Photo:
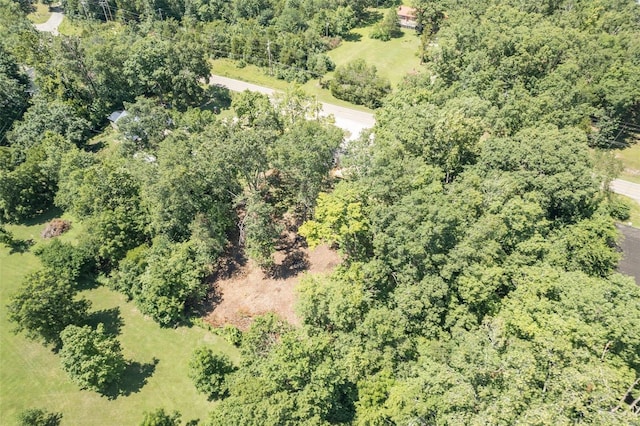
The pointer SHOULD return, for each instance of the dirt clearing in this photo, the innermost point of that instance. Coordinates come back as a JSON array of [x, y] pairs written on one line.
[[249, 293]]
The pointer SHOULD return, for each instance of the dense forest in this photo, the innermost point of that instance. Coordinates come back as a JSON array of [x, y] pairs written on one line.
[[478, 283]]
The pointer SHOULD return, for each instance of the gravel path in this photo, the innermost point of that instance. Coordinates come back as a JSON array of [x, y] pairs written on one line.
[[51, 26]]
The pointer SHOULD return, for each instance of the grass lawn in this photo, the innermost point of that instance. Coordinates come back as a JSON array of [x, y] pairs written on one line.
[[40, 15], [31, 377], [69, 28], [631, 160], [394, 59]]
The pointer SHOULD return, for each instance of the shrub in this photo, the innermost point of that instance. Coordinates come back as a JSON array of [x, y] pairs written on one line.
[[359, 83]]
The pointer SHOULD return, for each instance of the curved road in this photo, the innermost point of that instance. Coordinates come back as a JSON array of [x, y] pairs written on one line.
[[51, 26], [347, 119]]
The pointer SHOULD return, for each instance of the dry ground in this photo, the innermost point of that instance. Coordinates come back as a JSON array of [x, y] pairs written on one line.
[[249, 293]]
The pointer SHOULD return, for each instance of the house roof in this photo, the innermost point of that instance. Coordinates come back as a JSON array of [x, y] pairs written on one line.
[[117, 115], [407, 11]]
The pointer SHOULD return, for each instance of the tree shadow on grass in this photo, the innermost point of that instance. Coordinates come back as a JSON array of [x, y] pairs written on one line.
[[352, 37], [43, 218], [133, 379], [370, 17], [87, 281], [20, 246], [110, 318]]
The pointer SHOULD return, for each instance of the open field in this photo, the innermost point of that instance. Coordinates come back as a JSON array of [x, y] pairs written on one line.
[[41, 13], [394, 59], [631, 160], [31, 377]]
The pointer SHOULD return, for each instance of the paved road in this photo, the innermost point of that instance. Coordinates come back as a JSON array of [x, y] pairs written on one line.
[[51, 26], [347, 119], [623, 187]]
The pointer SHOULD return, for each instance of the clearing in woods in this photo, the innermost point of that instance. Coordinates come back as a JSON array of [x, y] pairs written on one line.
[[248, 292]]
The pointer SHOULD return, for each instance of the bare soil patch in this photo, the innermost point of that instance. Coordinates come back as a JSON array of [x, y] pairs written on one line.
[[248, 292]]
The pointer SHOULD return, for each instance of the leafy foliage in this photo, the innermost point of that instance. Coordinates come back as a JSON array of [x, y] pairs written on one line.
[[208, 372], [92, 358], [388, 28], [45, 306], [164, 281], [359, 83], [13, 95], [161, 418]]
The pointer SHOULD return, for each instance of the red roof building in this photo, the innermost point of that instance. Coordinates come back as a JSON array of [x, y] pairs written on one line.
[[407, 16]]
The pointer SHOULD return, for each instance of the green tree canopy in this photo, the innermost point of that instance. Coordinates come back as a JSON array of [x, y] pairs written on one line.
[[44, 306], [92, 358]]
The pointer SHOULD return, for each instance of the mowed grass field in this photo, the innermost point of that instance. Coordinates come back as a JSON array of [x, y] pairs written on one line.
[[630, 157], [394, 59], [31, 377]]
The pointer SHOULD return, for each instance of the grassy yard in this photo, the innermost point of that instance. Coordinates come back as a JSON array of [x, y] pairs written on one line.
[[31, 377], [40, 15], [394, 59], [631, 160]]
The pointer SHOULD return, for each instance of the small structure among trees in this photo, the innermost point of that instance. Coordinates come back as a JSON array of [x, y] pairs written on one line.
[[407, 16]]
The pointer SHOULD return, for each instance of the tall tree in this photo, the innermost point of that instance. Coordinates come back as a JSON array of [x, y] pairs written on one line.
[[31, 308], [92, 358]]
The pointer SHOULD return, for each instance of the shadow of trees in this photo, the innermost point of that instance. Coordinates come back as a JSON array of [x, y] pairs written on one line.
[[295, 261], [110, 318], [133, 379], [20, 246]]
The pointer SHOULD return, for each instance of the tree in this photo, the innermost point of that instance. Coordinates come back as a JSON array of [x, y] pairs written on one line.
[[553, 162], [160, 418], [38, 417], [92, 358], [259, 230], [44, 115], [359, 83], [168, 69], [256, 110], [340, 219], [145, 124], [6, 237], [171, 284], [65, 260], [27, 189], [13, 91], [45, 306], [389, 27], [304, 156], [209, 371]]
